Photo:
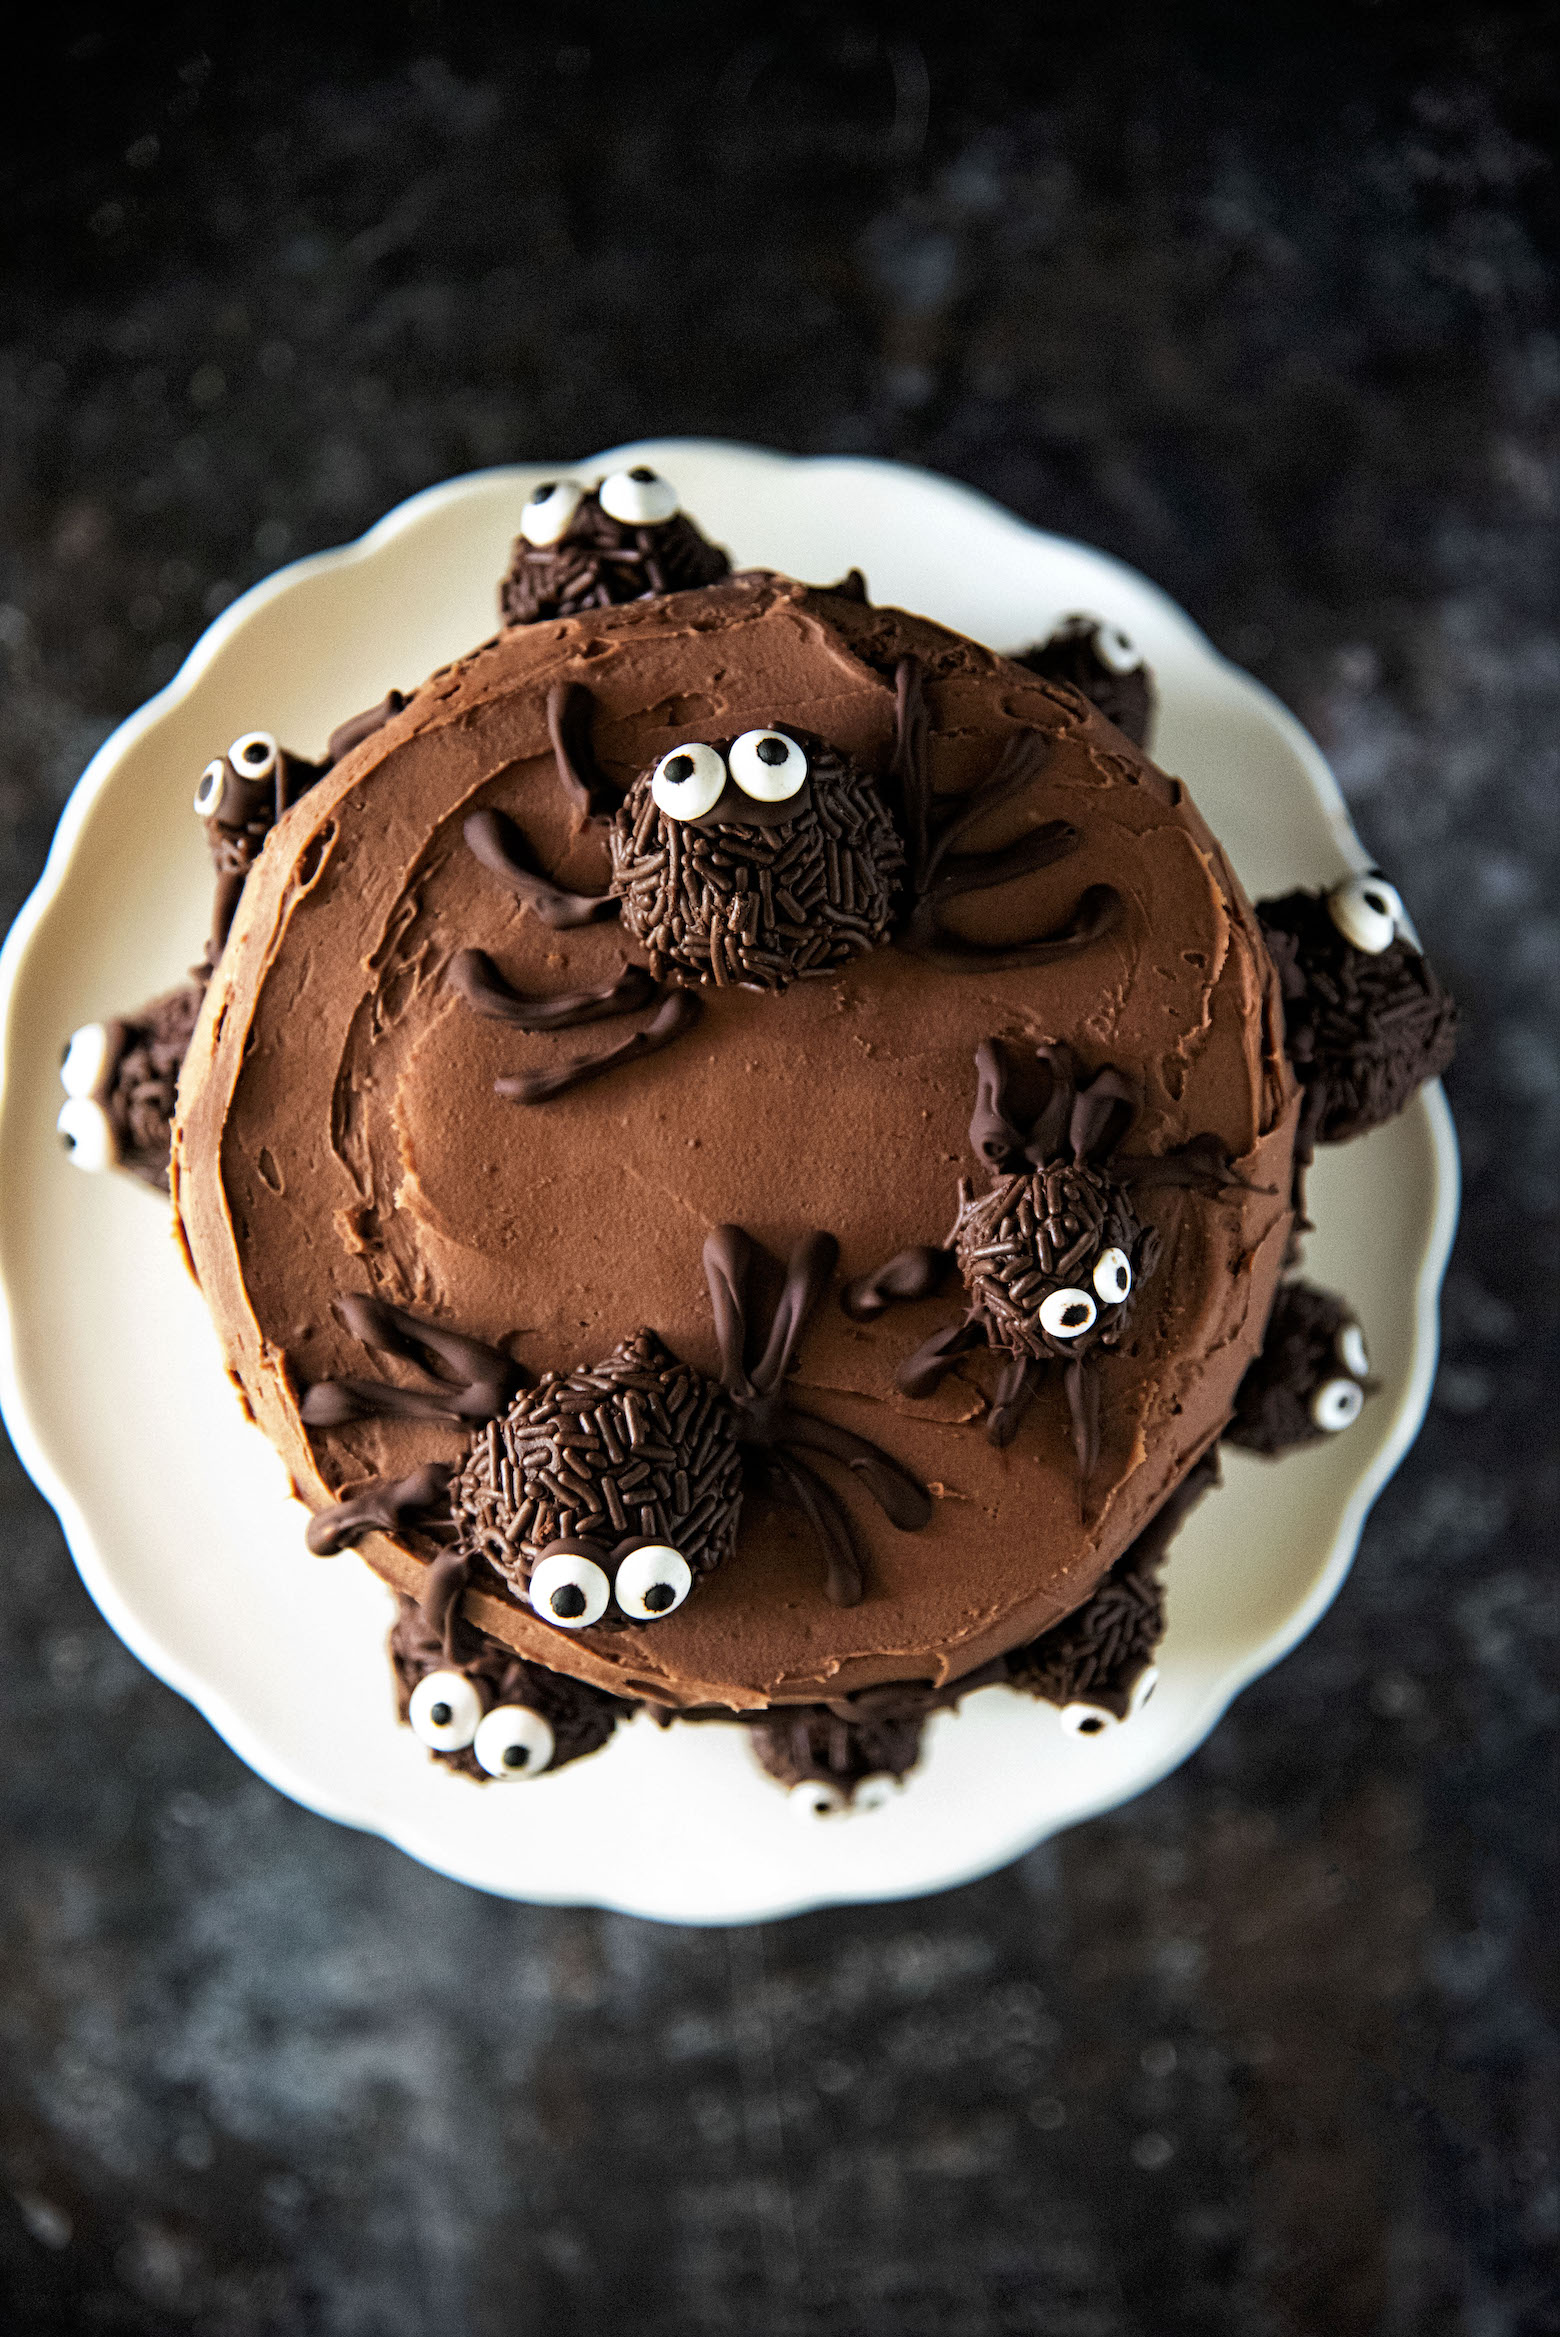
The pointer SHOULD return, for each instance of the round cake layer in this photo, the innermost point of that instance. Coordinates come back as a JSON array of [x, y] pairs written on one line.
[[340, 1133]]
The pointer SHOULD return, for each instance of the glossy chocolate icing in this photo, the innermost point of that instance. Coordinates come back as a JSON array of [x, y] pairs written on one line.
[[339, 1127]]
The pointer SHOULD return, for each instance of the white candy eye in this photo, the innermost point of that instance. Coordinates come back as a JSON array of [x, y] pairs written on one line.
[[88, 1134], [1116, 650], [688, 782], [552, 506], [253, 756], [637, 498], [513, 1742], [1113, 1277], [812, 1798], [875, 1793], [1067, 1314], [86, 1060], [209, 793], [767, 765], [1367, 912], [570, 1591], [1350, 1344], [1142, 1688], [1087, 1720], [443, 1712], [1337, 1404], [652, 1581]]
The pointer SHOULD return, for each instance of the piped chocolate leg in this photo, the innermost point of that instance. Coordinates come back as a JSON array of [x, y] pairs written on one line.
[[1016, 1385], [1082, 1382], [806, 1491], [386, 1505], [906, 1276], [1202, 1166], [481, 1379], [678, 1012], [923, 1373], [569, 706], [501, 848], [474, 976], [903, 1499]]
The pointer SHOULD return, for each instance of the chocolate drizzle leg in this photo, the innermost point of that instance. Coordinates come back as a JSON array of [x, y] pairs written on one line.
[[474, 977], [569, 706], [678, 1012], [910, 1274], [475, 1382], [772, 1430], [495, 840], [939, 875], [386, 1505]]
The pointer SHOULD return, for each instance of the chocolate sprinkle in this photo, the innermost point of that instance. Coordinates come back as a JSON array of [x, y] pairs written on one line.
[[1363, 1032], [642, 1444]]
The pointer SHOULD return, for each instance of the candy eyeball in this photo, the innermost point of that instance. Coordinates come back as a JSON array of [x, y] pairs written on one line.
[[1113, 1277], [1116, 650], [651, 1581], [208, 795], [1067, 1314], [815, 1798], [1337, 1404], [88, 1135], [513, 1742], [87, 1060], [1087, 1720], [253, 757], [1350, 1345], [443, 1712], [551, 507], [688, 782], [637, 498], [569, 1590], [1142, 1688], [875, 1792], [768, 766], [1367, 912]]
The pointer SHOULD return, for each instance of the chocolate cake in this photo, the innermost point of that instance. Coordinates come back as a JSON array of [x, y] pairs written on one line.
[[849, 1319]]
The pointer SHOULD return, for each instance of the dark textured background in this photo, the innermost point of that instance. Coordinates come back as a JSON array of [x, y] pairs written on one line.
[[1263, 301]]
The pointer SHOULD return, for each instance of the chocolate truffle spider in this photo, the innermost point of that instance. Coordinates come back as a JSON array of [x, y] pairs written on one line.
[[483, 1710], [587, 547], [621, 1484], [1366, 1022], [1052, 1255], [762, 860]]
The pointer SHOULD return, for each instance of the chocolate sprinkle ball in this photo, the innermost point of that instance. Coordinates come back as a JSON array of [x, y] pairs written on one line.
[[1071, 654], [1275, 1402], [1362, 1031], [1100, 1652], [812, 1745], [641, 1445], [599, 561], [1033, 1235], [760, 906], [581, 1718], [140, 1096]]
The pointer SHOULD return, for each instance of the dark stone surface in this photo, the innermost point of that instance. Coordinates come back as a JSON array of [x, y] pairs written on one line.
[[1262, 301]]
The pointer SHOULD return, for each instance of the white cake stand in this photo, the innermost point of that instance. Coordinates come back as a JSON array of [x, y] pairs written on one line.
[[178, 1513]]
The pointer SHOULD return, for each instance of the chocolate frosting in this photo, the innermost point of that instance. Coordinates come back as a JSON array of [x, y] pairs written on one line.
[[1071, 655], [374, 1154]]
